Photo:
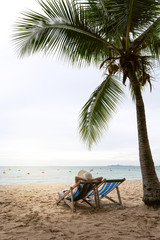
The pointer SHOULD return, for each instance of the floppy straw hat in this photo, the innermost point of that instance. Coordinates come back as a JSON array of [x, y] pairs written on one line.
[[84, 174], [81, 172], [87, 175]]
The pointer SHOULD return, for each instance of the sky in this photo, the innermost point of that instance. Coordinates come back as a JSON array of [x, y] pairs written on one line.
[[40, 102]]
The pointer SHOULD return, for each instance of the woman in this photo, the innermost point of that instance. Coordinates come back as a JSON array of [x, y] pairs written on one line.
[[84, 176]]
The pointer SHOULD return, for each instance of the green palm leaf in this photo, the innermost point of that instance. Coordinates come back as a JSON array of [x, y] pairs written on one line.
[[124, 16], [98, 110], [64, 29], [149, 40], [120, 12]]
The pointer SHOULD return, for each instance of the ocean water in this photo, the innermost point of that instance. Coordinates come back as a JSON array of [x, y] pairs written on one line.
[[53, 174]]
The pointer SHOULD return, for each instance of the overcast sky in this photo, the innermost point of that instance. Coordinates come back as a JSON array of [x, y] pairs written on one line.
[[40, 102]]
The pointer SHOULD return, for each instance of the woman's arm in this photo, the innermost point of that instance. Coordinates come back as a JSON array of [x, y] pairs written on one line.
[[97, 179], [84, 179], [79, 178]]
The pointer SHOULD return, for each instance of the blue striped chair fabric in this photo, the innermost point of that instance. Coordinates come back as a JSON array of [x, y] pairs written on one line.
[[106, 188], [82, 191], [78, 192]]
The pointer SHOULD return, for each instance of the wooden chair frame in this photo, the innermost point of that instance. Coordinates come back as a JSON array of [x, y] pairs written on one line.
[[101, 195]]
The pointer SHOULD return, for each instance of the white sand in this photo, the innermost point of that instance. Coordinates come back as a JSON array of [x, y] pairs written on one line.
[[30, 212]]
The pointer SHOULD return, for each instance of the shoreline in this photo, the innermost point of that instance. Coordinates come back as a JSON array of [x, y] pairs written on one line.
[[29, 211]]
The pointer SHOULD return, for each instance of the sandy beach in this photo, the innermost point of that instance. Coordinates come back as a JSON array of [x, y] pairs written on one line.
[[30, 212]]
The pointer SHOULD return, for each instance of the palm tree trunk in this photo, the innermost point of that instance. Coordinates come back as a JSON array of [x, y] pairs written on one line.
[[151, 185]]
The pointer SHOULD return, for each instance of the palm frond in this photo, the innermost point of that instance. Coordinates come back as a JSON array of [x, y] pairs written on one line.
[[64, 29], [98, 110], [120, 13], [143, 15], [149, 40]]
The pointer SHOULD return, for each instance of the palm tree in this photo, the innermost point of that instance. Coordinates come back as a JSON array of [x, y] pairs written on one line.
[[122, 36]]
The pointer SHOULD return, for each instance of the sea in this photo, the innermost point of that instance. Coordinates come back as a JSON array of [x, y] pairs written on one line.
[[55, 174]]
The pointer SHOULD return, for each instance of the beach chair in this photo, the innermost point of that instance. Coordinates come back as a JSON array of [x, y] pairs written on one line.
[[106, 187], [78, 193]]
